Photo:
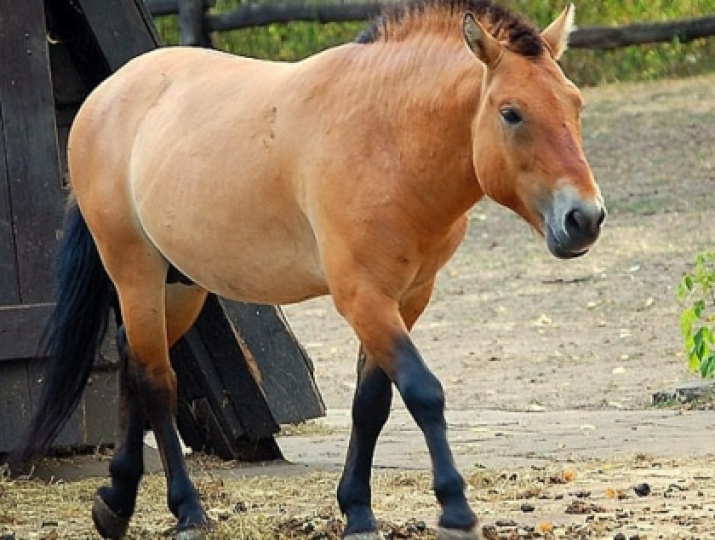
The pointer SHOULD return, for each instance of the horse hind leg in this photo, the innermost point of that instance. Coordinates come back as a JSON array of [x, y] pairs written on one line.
[[183, 305], [139, 275], [114, 504]]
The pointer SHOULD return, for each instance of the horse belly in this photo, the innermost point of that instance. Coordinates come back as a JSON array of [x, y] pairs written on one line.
[[264, 277], [251, 259]]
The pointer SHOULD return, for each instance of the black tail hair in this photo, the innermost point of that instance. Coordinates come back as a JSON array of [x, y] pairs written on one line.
[[75, 330]]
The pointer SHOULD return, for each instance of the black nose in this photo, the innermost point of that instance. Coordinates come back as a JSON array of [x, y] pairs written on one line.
[[584, 222]]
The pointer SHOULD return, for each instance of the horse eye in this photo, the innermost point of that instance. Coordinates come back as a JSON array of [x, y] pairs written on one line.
[[511, 116]]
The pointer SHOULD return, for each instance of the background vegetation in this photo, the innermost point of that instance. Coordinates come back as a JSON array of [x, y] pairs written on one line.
[[697, 320], [297, 40]]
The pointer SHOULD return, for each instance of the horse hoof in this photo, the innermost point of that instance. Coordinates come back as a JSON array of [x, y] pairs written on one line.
[[107, 523], [371, 535], [458, 534], [194, 532]]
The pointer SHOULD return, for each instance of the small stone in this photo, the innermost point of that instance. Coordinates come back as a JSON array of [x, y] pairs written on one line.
[[620, 536], [695, 391], [526, 507], [642, 490]]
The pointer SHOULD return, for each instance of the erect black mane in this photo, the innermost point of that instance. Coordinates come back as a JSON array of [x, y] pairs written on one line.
[[521, 35]]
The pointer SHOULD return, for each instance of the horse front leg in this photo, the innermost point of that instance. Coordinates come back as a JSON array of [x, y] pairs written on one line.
[[382, 326], [423, 395], [370, 410]]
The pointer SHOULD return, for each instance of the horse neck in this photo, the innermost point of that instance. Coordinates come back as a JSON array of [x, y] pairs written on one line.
[[426, 93]]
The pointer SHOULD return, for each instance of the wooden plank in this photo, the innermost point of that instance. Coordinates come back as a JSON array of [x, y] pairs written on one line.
[[30, 145], [198, 381], [193, 29], [203, 429], [70, 88], [254, 14], [21, 376], [15, 404], [91, 425], [9, 284], [158, 8], [21, 328], [68, 85], [99, 409], [286, 372], [606, 37], [71, 434], [209, 417], [218, 336], [68, 28], [122, 29]]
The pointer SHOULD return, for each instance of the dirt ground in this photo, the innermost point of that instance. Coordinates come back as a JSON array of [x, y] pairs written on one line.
[[549, 369]]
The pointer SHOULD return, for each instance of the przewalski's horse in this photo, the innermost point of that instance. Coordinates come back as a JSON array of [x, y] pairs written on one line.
[[350, 173]]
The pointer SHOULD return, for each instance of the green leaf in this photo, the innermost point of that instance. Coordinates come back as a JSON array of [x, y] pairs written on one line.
[[707, 367], [694, 363], [687, 318], [698, 308]]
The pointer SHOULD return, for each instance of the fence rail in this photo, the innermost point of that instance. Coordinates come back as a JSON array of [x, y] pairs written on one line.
[[196, 22], [608, 37]]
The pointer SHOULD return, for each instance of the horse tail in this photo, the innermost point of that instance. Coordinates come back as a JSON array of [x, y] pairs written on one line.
[[74, 332]]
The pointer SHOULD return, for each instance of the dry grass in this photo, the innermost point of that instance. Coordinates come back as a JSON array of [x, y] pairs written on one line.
[[576, 500]]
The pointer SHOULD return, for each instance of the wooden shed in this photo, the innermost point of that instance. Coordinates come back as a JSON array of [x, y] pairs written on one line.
[[241, 372]]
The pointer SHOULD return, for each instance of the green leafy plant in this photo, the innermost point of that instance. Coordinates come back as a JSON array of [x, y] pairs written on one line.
[[697, 321]]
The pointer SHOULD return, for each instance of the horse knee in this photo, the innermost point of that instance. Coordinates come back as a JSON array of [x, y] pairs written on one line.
[[420, 389], [424, 398]]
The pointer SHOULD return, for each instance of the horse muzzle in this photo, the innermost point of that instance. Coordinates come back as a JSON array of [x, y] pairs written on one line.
[[573, 225]]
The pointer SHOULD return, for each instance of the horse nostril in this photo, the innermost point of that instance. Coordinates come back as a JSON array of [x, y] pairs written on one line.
[[580, 223], [574, 222]]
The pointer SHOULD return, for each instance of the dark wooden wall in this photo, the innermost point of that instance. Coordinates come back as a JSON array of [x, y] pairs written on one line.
[[241, 372]]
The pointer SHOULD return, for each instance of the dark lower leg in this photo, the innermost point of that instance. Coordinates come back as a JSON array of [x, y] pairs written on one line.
[[371, 408], [424, 398], [127, 465], [182, 498]]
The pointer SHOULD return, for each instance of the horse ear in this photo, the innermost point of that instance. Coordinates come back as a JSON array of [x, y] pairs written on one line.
[[556, 35], [480, 42]]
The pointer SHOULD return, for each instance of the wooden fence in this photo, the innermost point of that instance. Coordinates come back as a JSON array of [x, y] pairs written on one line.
[[196, 23]]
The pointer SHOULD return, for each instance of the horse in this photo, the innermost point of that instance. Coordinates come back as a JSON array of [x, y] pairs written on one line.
[[350, 174]]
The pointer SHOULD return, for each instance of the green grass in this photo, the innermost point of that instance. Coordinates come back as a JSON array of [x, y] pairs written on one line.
[[587, 68]]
